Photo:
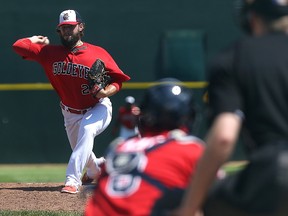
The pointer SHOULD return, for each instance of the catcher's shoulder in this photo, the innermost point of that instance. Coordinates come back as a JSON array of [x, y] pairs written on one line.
[[183, 138]]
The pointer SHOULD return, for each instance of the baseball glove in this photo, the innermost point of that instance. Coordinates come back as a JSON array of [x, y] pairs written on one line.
[[97, 77]]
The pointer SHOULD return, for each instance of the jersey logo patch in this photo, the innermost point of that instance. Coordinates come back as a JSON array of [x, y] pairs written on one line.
[[122, 167]]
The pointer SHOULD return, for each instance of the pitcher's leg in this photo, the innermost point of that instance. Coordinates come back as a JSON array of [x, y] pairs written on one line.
[[93, 166], [94, 122], [72, 123], [93, 169]]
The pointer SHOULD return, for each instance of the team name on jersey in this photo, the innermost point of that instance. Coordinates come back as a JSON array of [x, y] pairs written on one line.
[[70, 68], [136, 144]]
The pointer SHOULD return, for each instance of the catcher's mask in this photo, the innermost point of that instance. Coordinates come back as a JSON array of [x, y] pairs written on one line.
[[267, 9], [166, 106]]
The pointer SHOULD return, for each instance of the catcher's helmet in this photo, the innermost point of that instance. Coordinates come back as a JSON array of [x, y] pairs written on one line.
[[167, 105], [268, 9]]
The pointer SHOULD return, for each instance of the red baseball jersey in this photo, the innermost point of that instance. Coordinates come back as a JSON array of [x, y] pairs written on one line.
[[128, 117], [136, 167], [67, 69]]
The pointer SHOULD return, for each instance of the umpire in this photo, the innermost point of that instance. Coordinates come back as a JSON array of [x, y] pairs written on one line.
[[248, 93]]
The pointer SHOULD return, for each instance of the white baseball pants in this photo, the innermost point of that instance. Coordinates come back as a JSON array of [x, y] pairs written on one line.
[[81, 130]]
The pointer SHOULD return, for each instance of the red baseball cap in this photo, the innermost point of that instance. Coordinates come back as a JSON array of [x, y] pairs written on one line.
[[69, 17]]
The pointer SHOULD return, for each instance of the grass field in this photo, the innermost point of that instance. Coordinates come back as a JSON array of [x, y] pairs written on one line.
[[32, 173]]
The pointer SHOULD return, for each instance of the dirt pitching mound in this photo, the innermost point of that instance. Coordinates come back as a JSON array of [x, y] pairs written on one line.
[[41, 196]]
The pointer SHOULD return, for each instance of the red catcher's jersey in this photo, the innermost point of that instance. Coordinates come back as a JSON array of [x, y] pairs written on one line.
[[127, 116], [122, 193], [67, 69]]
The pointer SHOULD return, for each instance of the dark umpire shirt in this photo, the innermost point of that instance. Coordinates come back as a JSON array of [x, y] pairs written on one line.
[[251, 77]]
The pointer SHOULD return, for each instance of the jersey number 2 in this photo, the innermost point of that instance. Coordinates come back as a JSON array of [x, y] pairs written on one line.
[[85, 89]]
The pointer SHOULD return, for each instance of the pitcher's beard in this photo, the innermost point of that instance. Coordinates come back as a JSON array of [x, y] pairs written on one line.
[[70, 42]]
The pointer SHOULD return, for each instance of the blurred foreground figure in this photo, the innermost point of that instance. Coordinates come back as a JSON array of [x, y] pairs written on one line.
[[147, 175], [248, 89], [126, 122]]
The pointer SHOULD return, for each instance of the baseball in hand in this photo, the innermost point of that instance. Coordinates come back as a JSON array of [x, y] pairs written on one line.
[[46, 41], [39, 39]]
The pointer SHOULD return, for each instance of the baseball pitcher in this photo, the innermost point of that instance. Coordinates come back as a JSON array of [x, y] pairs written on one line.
[[84, 77]]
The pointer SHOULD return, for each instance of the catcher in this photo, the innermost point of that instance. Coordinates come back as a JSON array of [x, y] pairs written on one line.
[[147, 175], [84, 84]]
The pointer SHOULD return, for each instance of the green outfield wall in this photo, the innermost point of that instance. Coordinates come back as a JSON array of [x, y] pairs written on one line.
[[148, 39]]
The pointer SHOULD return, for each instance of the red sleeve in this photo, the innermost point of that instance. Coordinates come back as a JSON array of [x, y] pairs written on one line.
[[25, 48], [118, 85], [119, 76], [115, 72]]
